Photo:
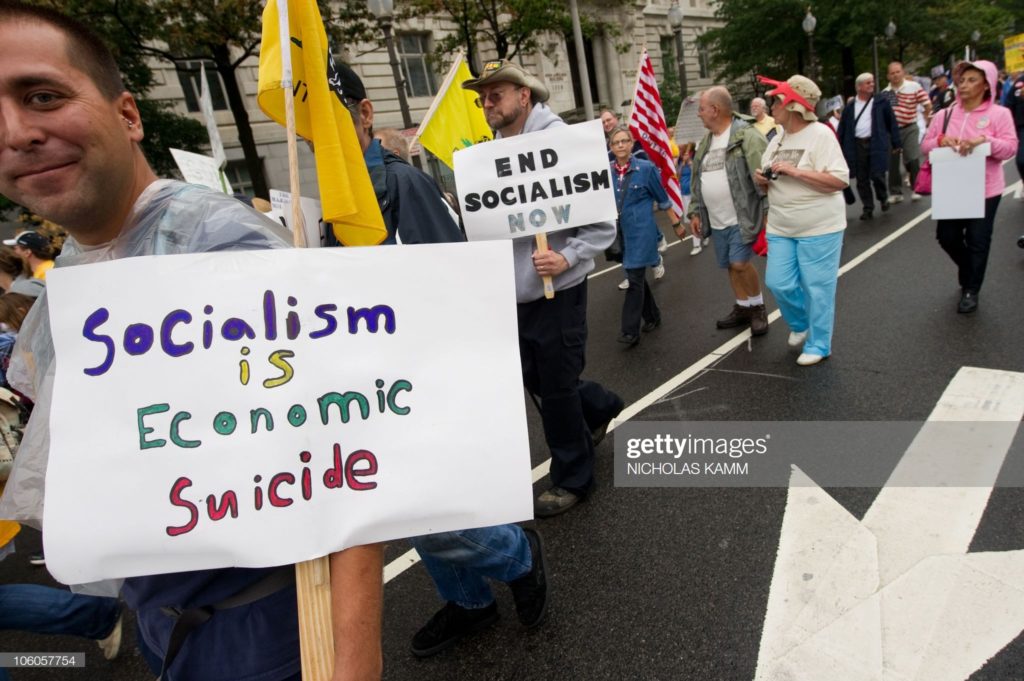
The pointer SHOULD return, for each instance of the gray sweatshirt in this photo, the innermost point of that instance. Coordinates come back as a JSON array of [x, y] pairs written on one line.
[[578, 245]]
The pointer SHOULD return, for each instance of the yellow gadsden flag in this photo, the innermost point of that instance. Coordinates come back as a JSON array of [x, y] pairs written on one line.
[[454, 121], [346, 194]]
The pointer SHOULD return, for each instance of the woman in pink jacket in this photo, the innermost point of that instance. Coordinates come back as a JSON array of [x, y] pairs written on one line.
[[975, 118]]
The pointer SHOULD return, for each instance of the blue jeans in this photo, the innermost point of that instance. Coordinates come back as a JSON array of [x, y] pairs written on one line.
[[460, 562], [802, 274], [45, 610]]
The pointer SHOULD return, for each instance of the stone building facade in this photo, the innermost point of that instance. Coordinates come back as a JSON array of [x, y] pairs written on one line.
[[612, 61]]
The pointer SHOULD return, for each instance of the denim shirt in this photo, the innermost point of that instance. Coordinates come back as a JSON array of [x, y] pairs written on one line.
[[636, 215]]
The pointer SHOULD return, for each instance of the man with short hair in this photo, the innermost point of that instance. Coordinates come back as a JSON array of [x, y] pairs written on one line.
[[869, 135], [70, 151], [905, 95], [552, 332], [764, 123], [728, 205], [459, 562]]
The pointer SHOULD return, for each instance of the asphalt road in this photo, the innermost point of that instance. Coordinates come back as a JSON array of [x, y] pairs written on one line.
[[673, 583]]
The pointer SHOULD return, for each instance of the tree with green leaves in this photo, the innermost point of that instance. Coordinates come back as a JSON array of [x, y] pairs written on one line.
[[765, 36], [226, 33], [513, 27]]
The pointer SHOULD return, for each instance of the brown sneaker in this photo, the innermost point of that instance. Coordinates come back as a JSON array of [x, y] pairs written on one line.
[[740, 316], [758, 320]]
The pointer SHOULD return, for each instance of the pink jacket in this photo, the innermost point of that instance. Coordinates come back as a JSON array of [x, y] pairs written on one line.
[[991, 120]]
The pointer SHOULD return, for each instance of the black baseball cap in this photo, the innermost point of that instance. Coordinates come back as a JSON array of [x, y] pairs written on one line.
[[344, 81], [30, 240]]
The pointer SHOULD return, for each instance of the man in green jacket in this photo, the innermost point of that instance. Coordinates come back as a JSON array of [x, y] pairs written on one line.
[[727, 203]]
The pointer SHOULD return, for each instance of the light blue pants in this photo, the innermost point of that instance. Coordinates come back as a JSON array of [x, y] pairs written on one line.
[[802, 274], [461, 562]]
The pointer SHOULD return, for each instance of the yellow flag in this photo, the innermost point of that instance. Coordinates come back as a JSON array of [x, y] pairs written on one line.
[[346, 194], [454, 121]]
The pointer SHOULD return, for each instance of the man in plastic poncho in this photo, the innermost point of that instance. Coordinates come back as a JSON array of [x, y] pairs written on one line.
[[69, 151]]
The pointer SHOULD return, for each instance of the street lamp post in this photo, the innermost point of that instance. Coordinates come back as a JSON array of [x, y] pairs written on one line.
[[808, 24], [890, 31], [975, 37], [675, 20], [384, 10]]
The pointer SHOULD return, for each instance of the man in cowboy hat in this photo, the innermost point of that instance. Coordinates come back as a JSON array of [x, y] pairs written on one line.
[[552, 333]]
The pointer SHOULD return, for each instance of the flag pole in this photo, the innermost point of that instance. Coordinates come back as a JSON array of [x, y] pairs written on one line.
[[312, 577], [636, 85], [298, 233], [441, 92]]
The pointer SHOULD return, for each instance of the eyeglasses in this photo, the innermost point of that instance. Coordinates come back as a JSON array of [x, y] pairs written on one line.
[[493, 97], [615, 143]]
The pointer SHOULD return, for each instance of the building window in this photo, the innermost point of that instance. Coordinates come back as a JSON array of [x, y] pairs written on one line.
[[188, 76], [704, 60], [237, 173], [413, 51]]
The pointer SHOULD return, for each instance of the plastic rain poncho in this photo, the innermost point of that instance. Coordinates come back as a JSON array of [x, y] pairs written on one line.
[[168, 217]]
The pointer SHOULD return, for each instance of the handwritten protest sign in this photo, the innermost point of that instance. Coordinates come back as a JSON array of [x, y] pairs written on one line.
[[535, 183], [689, 127], [264, 408], [1013, 51], [201, 170], [312, 215]]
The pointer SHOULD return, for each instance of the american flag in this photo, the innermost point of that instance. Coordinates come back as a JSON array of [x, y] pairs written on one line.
[[647, 123]]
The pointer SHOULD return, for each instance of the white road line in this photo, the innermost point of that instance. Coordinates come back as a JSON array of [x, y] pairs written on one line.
[[896, 597], [406, 561]]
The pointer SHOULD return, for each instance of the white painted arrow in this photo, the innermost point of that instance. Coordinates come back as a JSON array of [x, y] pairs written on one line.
[[896, 597]]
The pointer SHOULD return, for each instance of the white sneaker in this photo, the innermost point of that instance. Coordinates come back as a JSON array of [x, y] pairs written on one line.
[[624, 285], [662, 245], [696, 249], [705, 241], [806, 359], [796, 338], [659, 271], [895, 198], [111, 645], [915, 197]]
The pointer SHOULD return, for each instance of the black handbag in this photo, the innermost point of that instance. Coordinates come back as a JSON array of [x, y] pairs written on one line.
[[614, 252]]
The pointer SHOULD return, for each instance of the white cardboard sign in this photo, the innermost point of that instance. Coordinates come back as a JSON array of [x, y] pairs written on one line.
[[201, 170], [313, 224], [958, 183], [534, 183], [264, 408]]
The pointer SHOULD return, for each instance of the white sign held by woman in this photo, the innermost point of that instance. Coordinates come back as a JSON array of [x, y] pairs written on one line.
[[535, 183], [958, 183]]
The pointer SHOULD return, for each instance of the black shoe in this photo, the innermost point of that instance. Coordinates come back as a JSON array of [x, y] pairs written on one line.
[[968, 302], [885, 205], [740, 316], [628, 339], [448, 625], [868, 215], [530, 591], [598, 433], [758, 320], [37, 559], [555, 501], [650, 326]]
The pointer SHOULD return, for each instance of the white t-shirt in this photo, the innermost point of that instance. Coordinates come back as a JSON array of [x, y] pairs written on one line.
[[863, 129], [714, 184], [794, 208]]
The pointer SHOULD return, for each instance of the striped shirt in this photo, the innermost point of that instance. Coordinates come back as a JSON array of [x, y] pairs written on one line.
[[905, 101]]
